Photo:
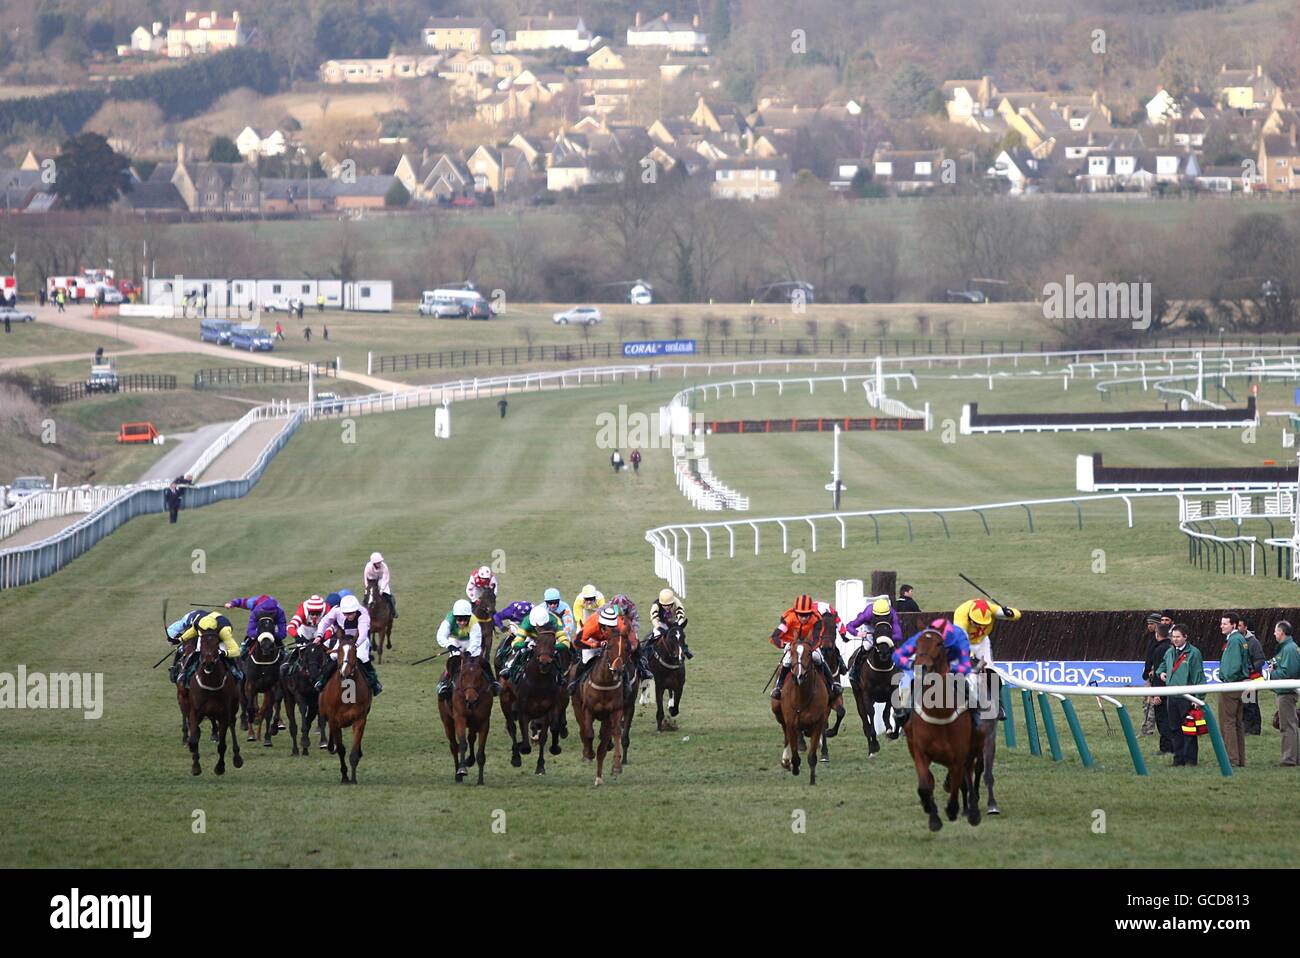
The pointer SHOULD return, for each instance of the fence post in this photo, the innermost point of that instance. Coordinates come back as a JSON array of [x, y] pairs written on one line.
[[1077, 731], [370, 363], [1126, 723], [1031, 723], [1216, 738], [1049, 726], [1009, 726]]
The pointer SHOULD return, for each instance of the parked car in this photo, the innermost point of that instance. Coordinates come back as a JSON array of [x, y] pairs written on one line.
[[15, 315], [462, 202], [112, 296], [329, 402], [288, 304], [578, 315], [480, 309], [964, 296], [24, 486], [103, 379], [216, 331], [252, 338]]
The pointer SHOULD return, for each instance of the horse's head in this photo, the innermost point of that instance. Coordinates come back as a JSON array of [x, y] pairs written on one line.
[[470, 680], [313, 656], [616, 651], [209, 648], [265, 623], [266, 648], [373, 595], [801, 661], [670, 643], [485, 606], [347, 655], [930, 653], [544, 649]]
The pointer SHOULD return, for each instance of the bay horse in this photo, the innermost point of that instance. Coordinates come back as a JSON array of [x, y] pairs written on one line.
[[668, 666], [802, 709], [345, 703], [298, 687], [835, 662], [485, 607], [945, 733], [601, 695], [467, 716], [381, 619], [262, 678], [871, 675], [535, 701], [213, 694]]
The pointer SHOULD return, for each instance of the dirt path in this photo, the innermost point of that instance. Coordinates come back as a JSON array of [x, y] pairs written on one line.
[[234, 462], [178, 460]]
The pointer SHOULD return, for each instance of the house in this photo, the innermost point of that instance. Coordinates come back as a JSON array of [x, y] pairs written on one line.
[[967, 101], [606, 58], [672, 68], [551, 33], [720, 117], [151, 197], [1163, 108], [379, 69], [18, 186], [747, 178], [295, 195], [471, 34], [360, 193], [1243, 89], [503, 106], [568, 173], [438, 178], [907, 171], [145, 40], [1020, 168], [843, 171], [205, 32], [1140, 170], [1279, 162], [1223, 179], [252, 143], [665, 33], [503, 171]]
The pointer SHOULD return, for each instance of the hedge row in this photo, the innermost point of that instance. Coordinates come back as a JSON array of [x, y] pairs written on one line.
[[978, 418]]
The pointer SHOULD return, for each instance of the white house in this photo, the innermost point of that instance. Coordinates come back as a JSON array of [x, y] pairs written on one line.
[[552, 33], [205, 32], [1162, 108], [379, 69], [150, 39], [251, 143], [665, 33]]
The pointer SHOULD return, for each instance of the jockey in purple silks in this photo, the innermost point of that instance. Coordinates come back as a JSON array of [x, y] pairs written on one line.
[[261, 606]]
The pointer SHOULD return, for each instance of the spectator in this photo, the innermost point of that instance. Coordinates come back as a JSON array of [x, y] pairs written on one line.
[[306, 333], [502, 404], [58, 299], [1250, 716], [300, 312], [1155, 656], [252, 308], [636, 460], [99, 355], [320, 304], [1182, 665], [906, 603], [1286, 665], [172, 500], [279, 331], [40, 294], [616, 461], [325, 332], [1149, 703], [1234, 666], [6, 322]]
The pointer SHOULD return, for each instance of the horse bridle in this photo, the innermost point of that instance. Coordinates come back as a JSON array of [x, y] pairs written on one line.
[[616, 670], [916, 699]]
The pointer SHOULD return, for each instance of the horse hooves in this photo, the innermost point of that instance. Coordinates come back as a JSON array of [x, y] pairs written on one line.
[[873, 748], [219, 770], [515, 761], [554, 750], [974, 816], [525, 749], [891, 734], [952, 814], [994, 810], [935, 824], [238, 760], [599, 782], [832, 732], [540, 771], [826, 759], [324, 745]]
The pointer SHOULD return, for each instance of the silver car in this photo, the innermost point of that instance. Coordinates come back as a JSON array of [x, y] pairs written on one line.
[[579, 316], [15, 315]]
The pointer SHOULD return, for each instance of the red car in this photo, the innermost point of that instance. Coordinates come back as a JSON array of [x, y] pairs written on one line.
[[464, 201]]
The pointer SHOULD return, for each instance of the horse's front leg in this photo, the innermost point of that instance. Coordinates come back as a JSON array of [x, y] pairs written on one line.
[[358, 730], [659, 706], [925, 788], [291, 712], [194, 741]]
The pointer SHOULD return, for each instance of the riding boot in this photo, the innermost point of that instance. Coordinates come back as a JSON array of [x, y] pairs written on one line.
[[832, 682], [372, 677], [643, 663], [234, 668], [444, 687], [578, 673], [776, 691], [492, 679], [326, 671], [392, 605], [174, 673], [686, 649]]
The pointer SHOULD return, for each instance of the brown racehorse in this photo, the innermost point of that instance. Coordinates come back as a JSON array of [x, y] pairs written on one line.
[[803, 708], [467, 716], [262, 678], [299, 690], [345, 703], [381, 619], [485, 607], [535, 699], [668, 666], [871, 675], [835, 662], [183, 692], [213, 694], [943, 732], [601, 695]]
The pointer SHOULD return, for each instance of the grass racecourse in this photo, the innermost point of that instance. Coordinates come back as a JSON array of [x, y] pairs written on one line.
[[117, 791]]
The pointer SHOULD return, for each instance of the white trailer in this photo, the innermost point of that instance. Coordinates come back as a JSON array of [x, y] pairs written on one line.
[[368, 296]]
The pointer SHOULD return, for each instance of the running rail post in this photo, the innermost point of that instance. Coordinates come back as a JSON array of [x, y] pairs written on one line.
[[1031, 723], [1049, 726], [1009, 726], [1126, 723], [1216, 738], [1072, 717]]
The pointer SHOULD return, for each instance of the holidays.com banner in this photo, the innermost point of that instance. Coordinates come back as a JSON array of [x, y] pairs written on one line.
[[1088, 673]]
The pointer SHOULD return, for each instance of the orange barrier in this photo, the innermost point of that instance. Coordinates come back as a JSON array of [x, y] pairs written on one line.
[[137, 432]]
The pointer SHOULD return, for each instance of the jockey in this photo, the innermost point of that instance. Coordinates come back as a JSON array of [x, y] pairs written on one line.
[[627, 608], [665, 611], [480, 579], [460, 633], [377, 571], [957, 649], [512, 615], [348, 618], [538, 618], [260, 606], [213, 622], [801, 623], [307, 618], [174, 633], [878, 610], [977, 617], [551, 598], [596, 631], [588, 603]]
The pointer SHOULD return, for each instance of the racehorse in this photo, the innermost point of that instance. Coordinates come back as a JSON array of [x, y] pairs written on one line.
[[601, 695], [485, 607], [943, 733], [536, 700], [802, 709], [262, 677], [468, 715], [298, 678], [381, 619], [213, 694], [835, 662], [989, 725], [668, 666], [871, 674], [345, 703]]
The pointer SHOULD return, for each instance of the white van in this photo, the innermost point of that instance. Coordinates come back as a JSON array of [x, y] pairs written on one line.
[[451, 303]]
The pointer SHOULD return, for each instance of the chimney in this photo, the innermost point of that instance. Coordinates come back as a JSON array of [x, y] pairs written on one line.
[[636, 19], [180, 154], [157, 28], [695, 21]]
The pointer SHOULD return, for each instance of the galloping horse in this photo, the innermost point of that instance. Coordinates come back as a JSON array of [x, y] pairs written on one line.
[[535, 700], [601, 695], [468, 715], [298, 687], [183, 693], [989, 725], [835, 662], [485, 607], [345, 703], [871, 674], [262, 677], [668, 666], [381, 619], [213, 694], [943, 733], [802, 709]]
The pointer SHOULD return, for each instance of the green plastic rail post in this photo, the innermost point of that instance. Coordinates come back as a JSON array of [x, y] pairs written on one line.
[[1031, 723], [1139, 763], [1216, 739], [1077, 731], [1049, 726], [1009, 726]]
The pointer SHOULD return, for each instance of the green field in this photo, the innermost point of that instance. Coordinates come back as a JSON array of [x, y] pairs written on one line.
[[117, 791]]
